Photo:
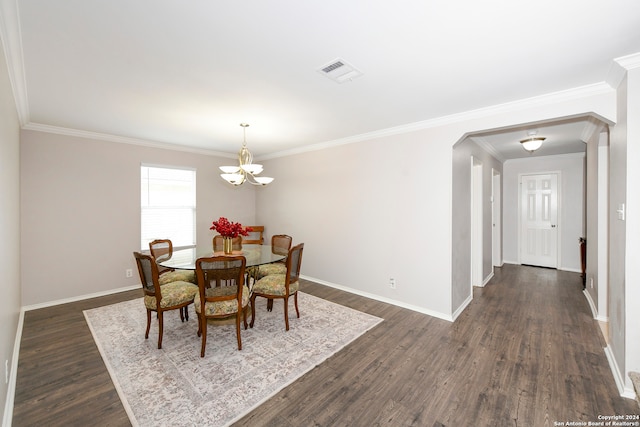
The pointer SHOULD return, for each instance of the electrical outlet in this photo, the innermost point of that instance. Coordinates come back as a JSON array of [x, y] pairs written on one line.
[[128, 272], [591, 282], [392, 283]]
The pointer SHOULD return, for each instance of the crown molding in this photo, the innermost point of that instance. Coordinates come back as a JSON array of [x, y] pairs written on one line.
[[528, 159], [593, 125], [541, 100], [565, 95], [123, 140], [619, 68], [629, 62], [482, 142]]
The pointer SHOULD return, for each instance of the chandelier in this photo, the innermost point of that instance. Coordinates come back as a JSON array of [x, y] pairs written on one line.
[[532, 143], [247, 170]]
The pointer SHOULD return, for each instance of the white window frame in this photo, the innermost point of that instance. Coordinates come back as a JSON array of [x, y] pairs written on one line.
[[164, 215]]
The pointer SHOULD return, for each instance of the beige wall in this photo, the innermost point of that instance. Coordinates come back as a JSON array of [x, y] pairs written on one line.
[[9, 226], [382, 208], [81, 211], [368, 212]]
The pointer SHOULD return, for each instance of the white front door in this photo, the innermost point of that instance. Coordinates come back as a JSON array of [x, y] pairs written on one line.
[[539, 220]]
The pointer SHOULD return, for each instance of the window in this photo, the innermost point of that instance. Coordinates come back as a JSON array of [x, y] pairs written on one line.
[[168, 205]]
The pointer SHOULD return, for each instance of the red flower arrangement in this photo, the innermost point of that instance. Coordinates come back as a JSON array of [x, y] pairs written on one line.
[[226, 228]]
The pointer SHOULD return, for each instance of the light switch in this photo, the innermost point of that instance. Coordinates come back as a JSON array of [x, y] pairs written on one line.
[[620, 211]]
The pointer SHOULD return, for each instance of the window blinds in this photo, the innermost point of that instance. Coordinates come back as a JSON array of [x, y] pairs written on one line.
[[168, 205]]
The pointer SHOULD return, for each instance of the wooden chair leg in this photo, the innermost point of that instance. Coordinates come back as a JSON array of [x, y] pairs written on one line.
[[238, 330], [204, 336], [286, 313], [146, 334], [160, 328], [270, 304], [253, 310], [181, 310], [295, 300], [244, 315]]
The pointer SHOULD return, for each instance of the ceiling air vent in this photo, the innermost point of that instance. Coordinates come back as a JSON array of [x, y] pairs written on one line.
[[340, 71]]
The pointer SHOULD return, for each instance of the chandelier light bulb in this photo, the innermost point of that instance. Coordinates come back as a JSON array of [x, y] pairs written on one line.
[[246, 169]]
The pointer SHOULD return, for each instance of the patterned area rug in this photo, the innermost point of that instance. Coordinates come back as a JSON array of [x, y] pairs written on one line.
[[175, 386]]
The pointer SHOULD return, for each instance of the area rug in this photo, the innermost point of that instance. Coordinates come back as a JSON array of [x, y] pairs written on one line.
[[175, 386]]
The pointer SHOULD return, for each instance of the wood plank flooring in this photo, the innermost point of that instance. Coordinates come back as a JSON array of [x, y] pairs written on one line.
[[526, 352]]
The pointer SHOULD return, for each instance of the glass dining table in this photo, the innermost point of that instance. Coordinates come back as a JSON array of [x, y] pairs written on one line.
[[256, 255], [185, 259]]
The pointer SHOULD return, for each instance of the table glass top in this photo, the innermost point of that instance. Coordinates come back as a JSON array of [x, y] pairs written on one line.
[[185, 259]]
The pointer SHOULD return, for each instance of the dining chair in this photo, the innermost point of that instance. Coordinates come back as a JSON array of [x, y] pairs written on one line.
[[218, 245], [160, 298], [280, 244], [162, 250], [281, 286], [229, 297], [256, 235]]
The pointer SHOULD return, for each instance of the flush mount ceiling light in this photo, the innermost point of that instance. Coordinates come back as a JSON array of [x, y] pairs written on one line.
[[247, 170], [532, 143]]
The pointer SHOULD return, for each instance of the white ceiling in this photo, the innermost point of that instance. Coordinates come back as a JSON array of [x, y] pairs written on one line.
[[189, 72]]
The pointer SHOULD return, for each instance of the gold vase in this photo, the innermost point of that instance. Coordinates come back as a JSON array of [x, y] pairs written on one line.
[[227, 245]]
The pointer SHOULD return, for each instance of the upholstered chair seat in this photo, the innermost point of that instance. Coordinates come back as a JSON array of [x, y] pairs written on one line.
[[274, 284], [162, 250], [178, 276], [221, 308], [174, 293], [273, 268]]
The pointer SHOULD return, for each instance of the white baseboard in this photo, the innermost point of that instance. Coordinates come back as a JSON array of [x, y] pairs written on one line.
[[80, 298], [11, 388], [382, 299], [613, 365], [487, 279], [594, 310], [623, 389], [462, 307]]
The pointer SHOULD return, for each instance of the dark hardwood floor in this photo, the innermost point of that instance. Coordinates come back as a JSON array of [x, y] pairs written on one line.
[[526, 352]]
